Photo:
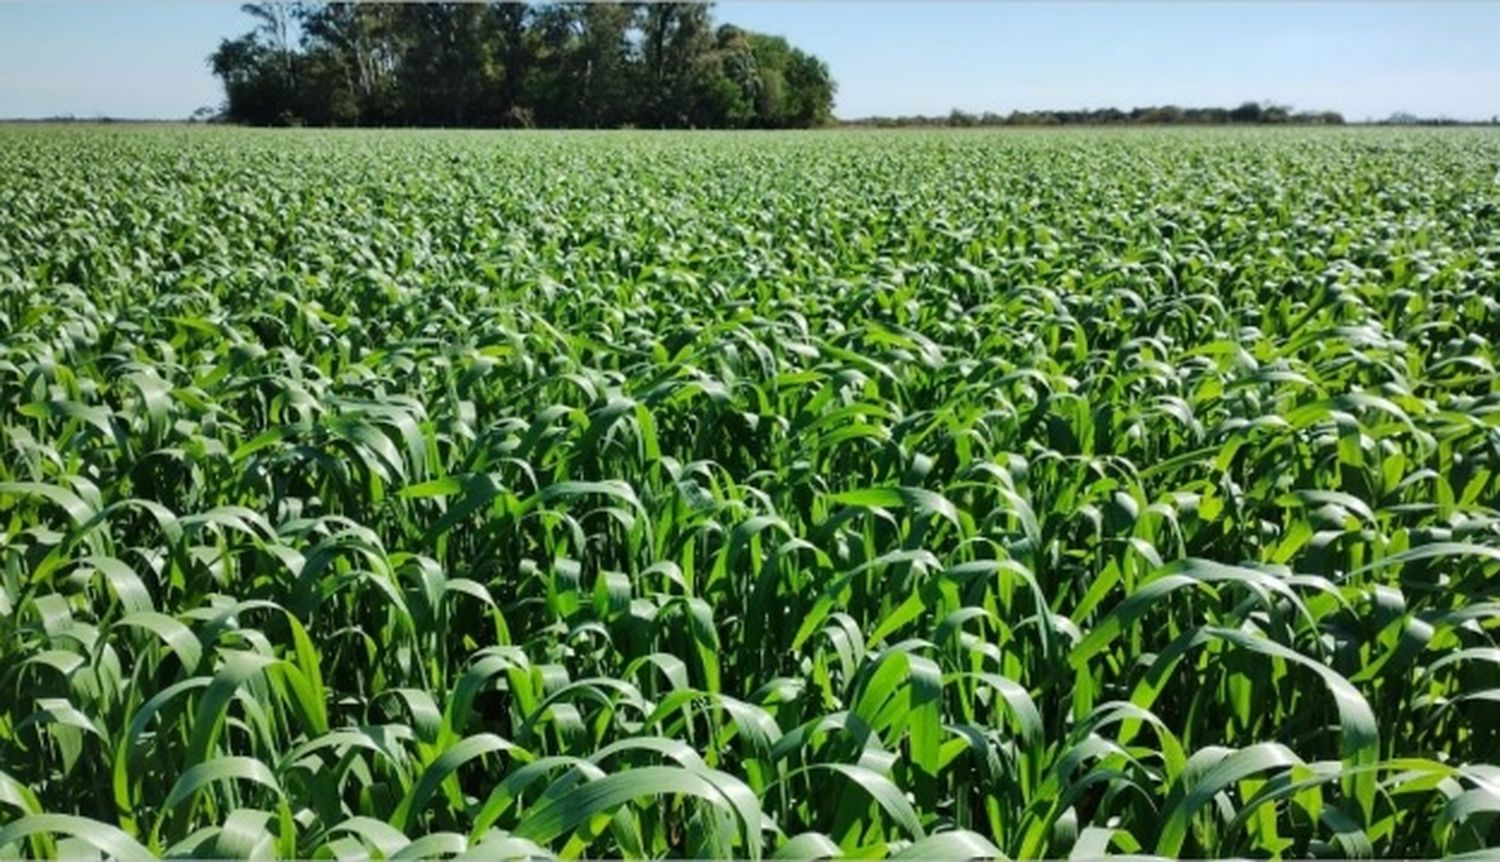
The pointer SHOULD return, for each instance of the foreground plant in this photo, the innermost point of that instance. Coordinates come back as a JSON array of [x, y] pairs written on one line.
[[409, 495]]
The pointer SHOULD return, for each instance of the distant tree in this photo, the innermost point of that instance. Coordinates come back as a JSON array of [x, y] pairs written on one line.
[[674, 36], [445, 64], [275, 31], [771, 103], [254, 92], [327, 97], [1164, 114], [1159, 114], [812, 89], [728, 82], [358, 69], [1249, 112], [513, 47], [1317, 118], [514, 64], [795, 88], [600, 65]]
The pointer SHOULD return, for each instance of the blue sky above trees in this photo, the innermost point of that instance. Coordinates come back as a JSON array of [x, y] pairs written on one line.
[[125, 58]]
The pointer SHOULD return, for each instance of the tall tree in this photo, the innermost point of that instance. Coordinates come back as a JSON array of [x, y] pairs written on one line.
[[275, 27], [675, 35], [446, 64], [256, 68], [363, 56], [513, 49], [728, 82], [600, 64], [514, 64]]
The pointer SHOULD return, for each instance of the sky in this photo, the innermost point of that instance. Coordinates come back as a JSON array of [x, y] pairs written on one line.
[[127, 58]]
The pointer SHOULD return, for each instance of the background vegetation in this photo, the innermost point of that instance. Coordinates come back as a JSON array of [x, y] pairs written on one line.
[[1248, 113], [588, 65]]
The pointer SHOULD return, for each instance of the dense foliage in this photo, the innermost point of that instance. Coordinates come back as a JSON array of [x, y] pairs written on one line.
[[734, 495], [582, 65], [1249, 113]]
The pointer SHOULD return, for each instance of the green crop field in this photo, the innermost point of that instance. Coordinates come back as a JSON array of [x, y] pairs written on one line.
[[1045, 494]]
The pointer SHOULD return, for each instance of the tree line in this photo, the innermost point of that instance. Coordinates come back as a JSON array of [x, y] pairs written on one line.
[[1248, 112], [588, 65]]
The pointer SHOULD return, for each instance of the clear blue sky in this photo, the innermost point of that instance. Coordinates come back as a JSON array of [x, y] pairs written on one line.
[[1367, 59]]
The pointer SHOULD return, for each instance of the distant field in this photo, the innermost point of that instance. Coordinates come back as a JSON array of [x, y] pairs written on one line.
[[734, 494]]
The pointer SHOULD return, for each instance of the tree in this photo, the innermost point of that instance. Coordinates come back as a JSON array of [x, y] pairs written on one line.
[[361, 58], [253, 92], [811, 87], [1249, 112], [275, 29], [795, 88], [513, 52], [600, 65], [513, 64], [445, 63], [1170, 114], [729, 81], [675, 35]]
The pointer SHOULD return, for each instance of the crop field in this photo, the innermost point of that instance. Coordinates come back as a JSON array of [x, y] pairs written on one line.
[[1036, 494]]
